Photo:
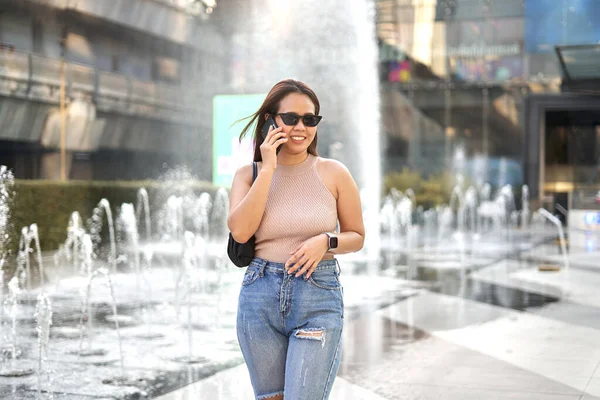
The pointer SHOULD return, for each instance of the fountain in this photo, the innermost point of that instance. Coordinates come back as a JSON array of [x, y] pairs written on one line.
[[561, 235], [203, 208], [130, 240], [218, 218], [6, 184], [525, 211], [502, 171], [429, 227], [471, 205], [90, 351], [1, 304], [173, 218], [87, 261], [43, 316], [13, 304], [411, 195], [341, 68], [70, 249], [143, 205], [190, 268], [445, 219], [95, 228], [457, 196], [479, 172], [507, 192], [143, 269], [405, 214], [389, 225], [189, 340], [23, 262]]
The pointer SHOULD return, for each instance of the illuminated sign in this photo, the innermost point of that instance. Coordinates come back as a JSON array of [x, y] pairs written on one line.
[[591, 218], [228, 153]]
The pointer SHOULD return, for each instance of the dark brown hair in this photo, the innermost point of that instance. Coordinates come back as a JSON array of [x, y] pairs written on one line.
[[271, 106]]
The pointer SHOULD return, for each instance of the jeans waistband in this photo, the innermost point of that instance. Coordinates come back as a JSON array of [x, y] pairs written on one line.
[[280, 267]]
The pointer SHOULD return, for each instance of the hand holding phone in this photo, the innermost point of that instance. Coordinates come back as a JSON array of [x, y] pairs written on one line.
[[270, 122]]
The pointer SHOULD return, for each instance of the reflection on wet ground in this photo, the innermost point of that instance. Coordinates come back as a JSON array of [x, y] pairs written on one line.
[[499, 295], [369, 338]]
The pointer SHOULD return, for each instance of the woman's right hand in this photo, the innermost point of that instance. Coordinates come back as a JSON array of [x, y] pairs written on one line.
[[268, 148]]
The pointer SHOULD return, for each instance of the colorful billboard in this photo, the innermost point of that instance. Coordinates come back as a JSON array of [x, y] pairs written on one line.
[[496, 69], [551, 22], [228, 153]]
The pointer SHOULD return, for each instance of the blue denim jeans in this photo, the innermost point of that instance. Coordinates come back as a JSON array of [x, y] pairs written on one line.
[[290, 329]]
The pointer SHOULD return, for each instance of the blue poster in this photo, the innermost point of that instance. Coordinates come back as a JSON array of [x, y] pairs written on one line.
[[560, 22]]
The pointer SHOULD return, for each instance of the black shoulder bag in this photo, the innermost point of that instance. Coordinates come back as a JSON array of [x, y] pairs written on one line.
[[241, 254]]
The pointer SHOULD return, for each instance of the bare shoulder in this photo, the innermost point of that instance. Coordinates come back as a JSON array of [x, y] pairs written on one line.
[[244, 173], [333, 168], [334, 175]]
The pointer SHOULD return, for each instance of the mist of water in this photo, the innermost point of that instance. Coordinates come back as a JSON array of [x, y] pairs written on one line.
[[143, 205], [6, 194], [29, 235], [43, 316], [332, 47], [86, 311]]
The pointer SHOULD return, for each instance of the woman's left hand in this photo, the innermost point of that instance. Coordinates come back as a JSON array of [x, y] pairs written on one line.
[[305, 257]]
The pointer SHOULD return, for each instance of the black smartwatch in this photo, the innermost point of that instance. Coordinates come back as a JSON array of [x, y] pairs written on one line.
[[333, 241]]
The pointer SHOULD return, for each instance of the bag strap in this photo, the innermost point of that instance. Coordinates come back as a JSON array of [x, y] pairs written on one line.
[[254, 172]]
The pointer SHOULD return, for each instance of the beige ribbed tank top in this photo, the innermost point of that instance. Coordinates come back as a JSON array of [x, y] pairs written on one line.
[[299, 207]]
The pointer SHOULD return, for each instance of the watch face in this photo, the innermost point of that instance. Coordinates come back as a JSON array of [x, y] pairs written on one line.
[[333, 242]]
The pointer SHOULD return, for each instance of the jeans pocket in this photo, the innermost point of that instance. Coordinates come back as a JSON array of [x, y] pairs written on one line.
[[250, 276], [325, 280]]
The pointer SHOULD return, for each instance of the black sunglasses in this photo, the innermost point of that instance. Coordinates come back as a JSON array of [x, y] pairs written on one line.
[[292, 119]]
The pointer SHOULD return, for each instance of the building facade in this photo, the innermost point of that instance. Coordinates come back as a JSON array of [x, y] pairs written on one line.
[[137, 91], [481, 89]]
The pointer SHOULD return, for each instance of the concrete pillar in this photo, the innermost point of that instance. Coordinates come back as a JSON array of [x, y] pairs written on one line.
[[50, 165]]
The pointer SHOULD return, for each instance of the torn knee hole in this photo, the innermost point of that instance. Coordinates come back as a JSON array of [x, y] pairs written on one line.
[[313, 333]]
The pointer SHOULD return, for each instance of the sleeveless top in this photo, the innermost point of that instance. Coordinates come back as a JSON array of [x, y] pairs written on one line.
[[299, 207]]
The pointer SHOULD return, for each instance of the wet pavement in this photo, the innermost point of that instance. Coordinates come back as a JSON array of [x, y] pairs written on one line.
[[479, 324], [503, 329]]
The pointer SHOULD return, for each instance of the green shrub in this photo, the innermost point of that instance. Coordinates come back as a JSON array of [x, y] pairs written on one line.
[[429, 192], [49, 204], [402, 180]]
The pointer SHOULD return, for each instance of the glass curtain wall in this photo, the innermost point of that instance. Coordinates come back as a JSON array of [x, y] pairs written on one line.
[[455, 75]]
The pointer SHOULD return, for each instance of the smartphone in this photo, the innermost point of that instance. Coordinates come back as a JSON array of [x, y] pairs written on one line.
[[265, 130], [269, 122]]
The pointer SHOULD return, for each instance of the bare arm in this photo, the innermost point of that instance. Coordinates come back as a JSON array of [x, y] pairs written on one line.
[[351, 238], [352, 230], [247, 202]]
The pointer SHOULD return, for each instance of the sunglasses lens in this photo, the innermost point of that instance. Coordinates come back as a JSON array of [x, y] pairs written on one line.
[[310, 120], [290, 119]]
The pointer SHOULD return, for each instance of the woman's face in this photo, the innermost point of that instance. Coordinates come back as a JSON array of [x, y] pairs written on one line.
[[300, 136]]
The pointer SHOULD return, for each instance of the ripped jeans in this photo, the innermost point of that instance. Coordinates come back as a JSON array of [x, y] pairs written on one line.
[[290, 329]]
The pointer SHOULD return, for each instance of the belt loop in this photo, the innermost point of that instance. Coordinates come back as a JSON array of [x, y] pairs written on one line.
[[261, 270], [339, 269]]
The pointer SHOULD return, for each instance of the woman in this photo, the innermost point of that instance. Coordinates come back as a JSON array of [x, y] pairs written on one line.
[[290, 313]]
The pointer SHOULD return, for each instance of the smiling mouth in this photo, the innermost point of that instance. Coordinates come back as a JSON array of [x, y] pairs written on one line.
[[298, 138]]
